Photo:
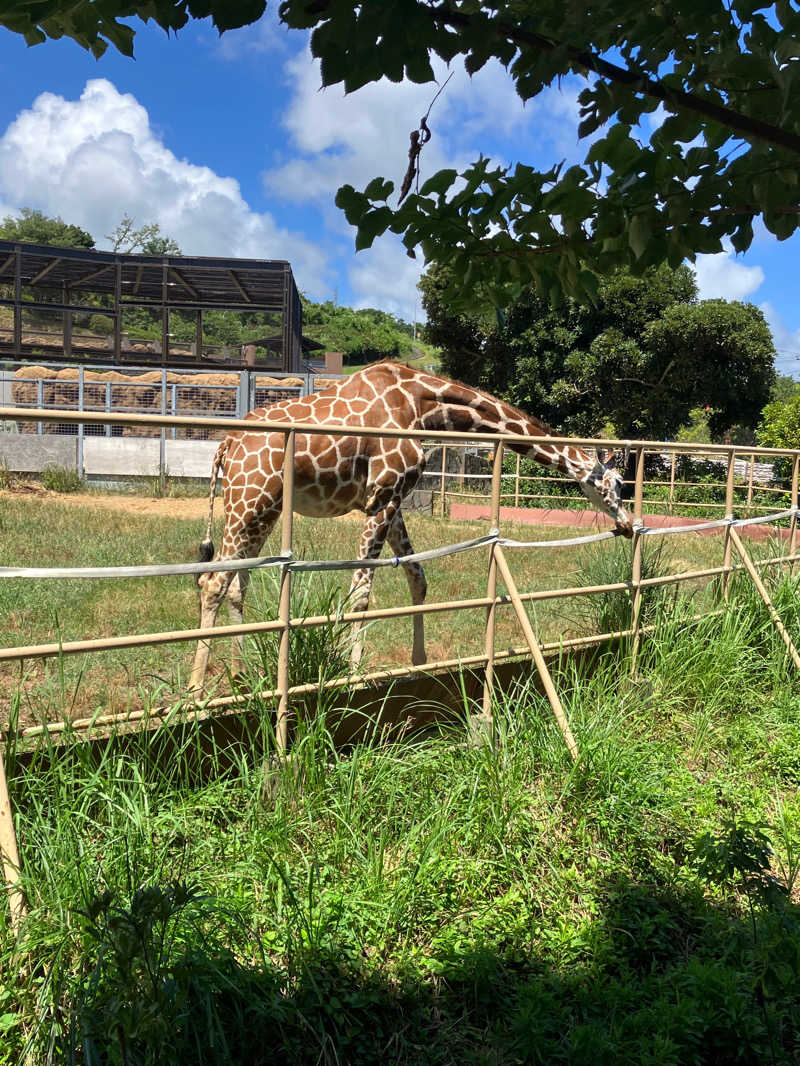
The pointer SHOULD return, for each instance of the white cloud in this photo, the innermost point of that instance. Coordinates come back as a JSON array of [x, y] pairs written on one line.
[[94, 159], [384, 276], [787, 341], [268, 36], [721, 276]]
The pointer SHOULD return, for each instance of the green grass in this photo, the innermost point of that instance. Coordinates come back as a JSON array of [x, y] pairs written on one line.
[[436, 901], [40, 532]]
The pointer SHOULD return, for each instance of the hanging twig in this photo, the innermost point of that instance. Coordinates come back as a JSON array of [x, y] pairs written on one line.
[[419, 138]]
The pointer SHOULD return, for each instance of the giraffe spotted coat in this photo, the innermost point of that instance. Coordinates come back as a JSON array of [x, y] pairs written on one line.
[[337, 474]]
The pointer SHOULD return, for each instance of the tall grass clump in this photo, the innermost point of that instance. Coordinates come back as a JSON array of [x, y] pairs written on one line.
[[611, 612], [317, 653], [57, 478]]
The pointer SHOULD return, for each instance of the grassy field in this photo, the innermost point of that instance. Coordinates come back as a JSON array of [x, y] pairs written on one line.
[[93, 530], [436, 902]]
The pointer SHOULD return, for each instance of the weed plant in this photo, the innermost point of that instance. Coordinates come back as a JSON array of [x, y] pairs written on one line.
[[434, 901], [61, 479]]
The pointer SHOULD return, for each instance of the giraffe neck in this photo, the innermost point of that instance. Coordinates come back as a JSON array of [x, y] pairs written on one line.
[[443, 404]]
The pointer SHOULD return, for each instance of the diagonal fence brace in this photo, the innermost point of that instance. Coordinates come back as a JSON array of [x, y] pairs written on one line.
[[536, 651], [736, 540]]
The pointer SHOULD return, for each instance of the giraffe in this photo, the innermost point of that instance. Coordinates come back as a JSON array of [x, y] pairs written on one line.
[[337, 474]]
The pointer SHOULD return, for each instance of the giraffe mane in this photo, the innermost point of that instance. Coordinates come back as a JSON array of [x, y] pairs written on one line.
[[538, 422]]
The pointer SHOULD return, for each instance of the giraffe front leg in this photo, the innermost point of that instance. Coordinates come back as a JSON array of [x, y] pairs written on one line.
[[373, 537], [400, 544], [237, 590]]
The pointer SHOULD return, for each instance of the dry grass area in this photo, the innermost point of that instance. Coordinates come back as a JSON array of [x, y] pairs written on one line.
[[48, 529]]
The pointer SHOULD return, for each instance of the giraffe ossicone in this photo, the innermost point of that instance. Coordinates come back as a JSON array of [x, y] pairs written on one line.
[[337, 474]]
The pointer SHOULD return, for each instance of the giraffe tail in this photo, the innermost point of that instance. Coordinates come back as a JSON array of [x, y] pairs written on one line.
[[205, 552]]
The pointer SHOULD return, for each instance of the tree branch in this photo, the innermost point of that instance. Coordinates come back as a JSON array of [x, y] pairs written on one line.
[[676, 99]]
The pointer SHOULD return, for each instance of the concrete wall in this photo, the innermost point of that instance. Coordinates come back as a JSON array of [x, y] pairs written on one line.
[[109, 456], [24, 454], [140, 457]]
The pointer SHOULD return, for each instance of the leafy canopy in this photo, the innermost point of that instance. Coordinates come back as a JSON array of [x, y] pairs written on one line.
[[725, 154], [642, 357], [38, 228]]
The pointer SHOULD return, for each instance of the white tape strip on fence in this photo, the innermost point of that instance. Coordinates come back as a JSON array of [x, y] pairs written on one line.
[[302, 565]]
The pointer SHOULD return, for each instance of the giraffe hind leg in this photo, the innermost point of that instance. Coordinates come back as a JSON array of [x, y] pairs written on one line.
[[373, 537]]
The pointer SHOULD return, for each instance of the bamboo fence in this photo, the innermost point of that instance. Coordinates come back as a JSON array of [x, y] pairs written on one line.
[[499, 567]]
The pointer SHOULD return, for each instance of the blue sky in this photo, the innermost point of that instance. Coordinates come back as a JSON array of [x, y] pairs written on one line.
[[232, 148]]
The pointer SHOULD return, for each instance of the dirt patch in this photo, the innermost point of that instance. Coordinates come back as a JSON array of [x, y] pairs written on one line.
[[190, 507]]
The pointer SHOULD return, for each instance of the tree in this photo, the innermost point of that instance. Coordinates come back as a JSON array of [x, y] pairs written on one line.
[[39, 228], [149, 240], [724, 156], [641, 357]]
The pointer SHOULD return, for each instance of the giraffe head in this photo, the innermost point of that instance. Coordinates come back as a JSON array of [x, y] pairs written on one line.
[[602, 486]]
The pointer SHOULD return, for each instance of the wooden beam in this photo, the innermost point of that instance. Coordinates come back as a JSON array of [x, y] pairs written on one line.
[[43, 273], [90, 277], [138, 281], [9, 262], [239, 286], [195, 295]]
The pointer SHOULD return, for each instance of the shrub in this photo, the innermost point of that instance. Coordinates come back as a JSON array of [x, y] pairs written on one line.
[[61, 479]]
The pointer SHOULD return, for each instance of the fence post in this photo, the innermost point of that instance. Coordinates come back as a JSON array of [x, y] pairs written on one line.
[[241, 394], [672, 482], [491, 590], [536, 651], [726, 558], [285, 599], [80, 424], [516, 483], [162, 441], [793, 522], [444, 473], [40, 404], [9, 853], [174, 404], [636, 566], [108, 406]]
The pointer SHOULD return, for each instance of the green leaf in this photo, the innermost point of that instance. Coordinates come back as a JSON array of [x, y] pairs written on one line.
[[639, 235], [379, 189], [439, 182]]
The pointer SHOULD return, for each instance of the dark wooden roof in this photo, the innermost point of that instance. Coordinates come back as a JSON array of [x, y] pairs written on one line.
[[259, 284]]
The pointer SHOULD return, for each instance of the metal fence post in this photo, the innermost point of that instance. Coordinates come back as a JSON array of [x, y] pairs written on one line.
[[491, 591], [174, 401], [793, 520], [162, 444], [726, 557], [672, 482], [40, 404], [108, 406], [242, 394], [9, 854], [636, 566], [442, 486], [285, 599], [80, 424]]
